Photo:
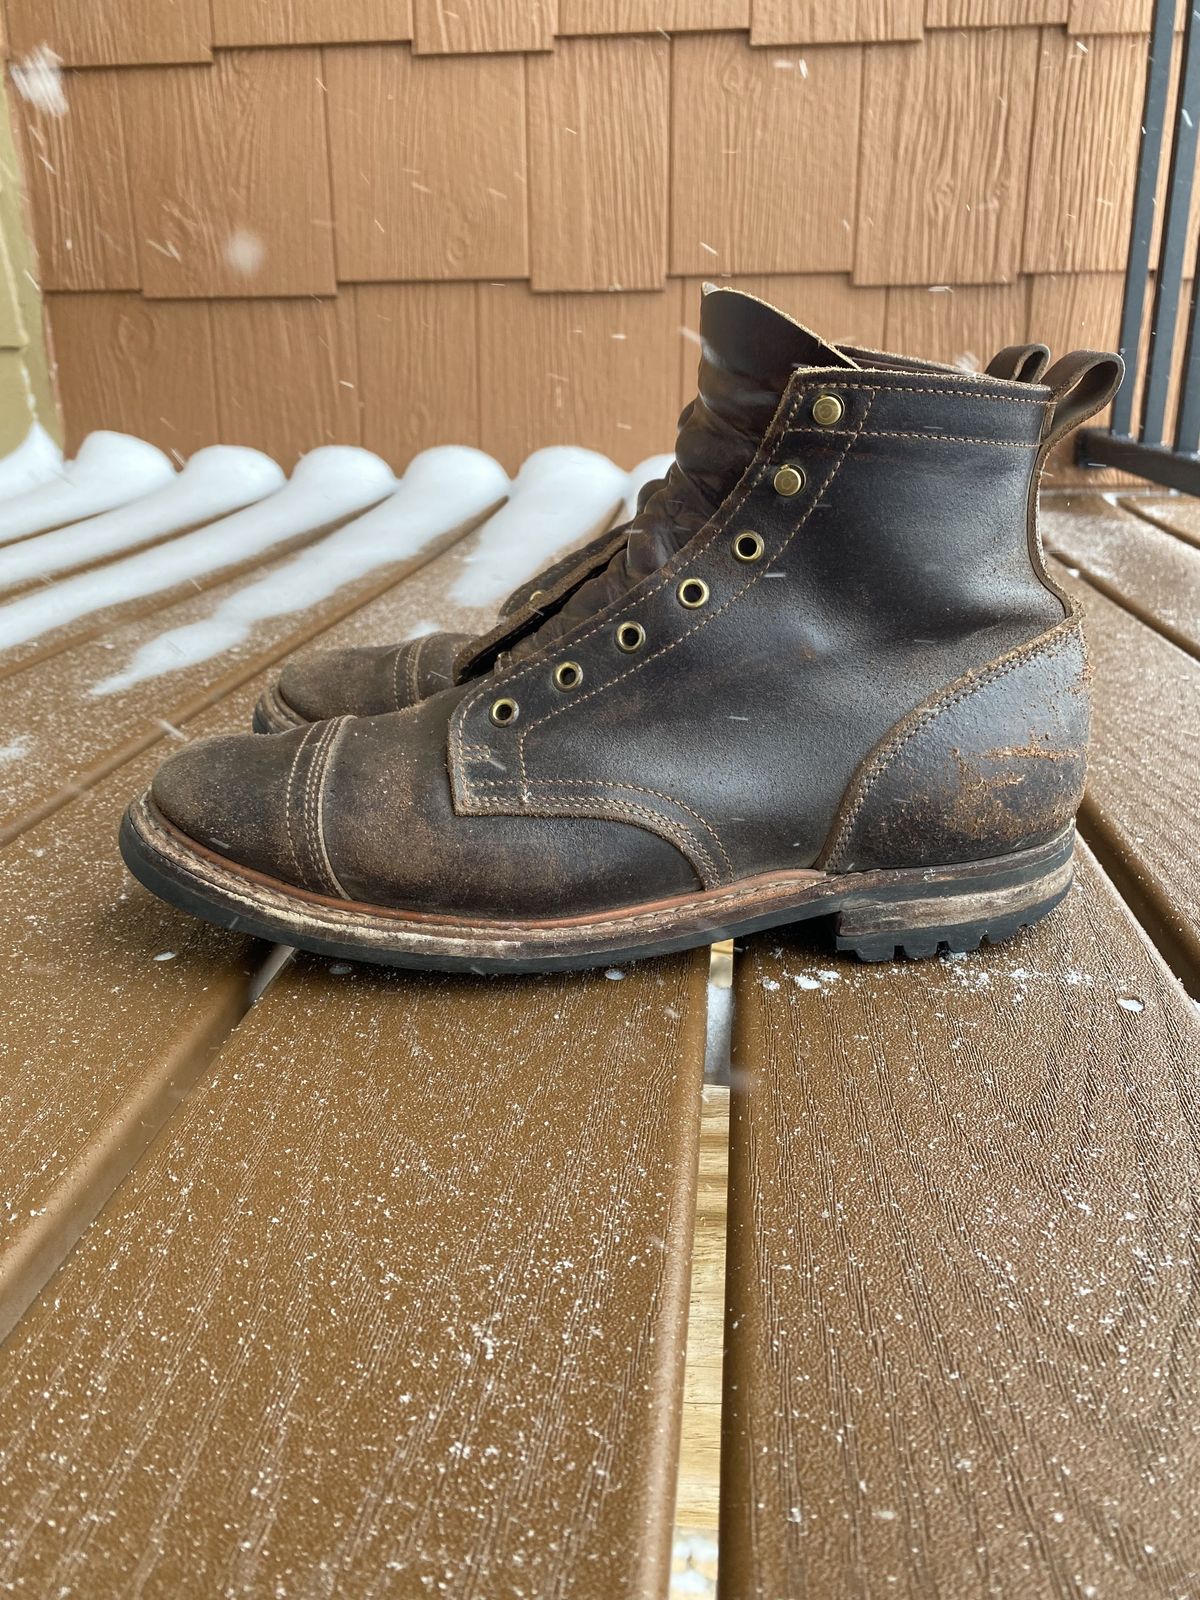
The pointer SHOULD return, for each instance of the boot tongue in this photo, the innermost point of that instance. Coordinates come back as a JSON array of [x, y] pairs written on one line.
[[748, 352]]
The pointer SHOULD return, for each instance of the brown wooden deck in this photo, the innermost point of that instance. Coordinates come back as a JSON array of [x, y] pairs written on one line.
[[323, 1281]]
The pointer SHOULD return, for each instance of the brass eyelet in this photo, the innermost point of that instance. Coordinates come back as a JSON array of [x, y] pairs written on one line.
[[748, 547], [789, 480], [568, 675], [631, 636], [504, 712], [692, 593], [828, 410]]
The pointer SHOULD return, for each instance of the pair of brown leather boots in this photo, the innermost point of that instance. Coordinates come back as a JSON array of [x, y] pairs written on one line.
[[823, 672]]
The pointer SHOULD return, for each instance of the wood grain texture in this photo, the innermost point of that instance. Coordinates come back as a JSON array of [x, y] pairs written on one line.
[[747, 194], [651, 16], [230, 176], [1149, 572], [138, 366], [1076, 310], [418, 361], [965, 325], [428, 160], [599, 112], [250, 22], [1140, 810], [850, 22], [313, 342], [945, 148], [79, 193], [1110, 16], [596, 370], [962, 1338], [1178, 514], [416, 1252], [472, 27], [1089, 101], [993, 13], [112, 33], [117, 1002], [827, 303]]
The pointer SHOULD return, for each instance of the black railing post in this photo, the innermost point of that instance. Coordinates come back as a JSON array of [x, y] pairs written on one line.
[[1147, 454]]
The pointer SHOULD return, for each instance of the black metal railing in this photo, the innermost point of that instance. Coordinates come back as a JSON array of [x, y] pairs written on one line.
[[1140, 445]]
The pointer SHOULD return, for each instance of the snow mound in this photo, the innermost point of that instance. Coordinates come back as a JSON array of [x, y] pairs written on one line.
[[110, 470], [215, 481], [441, 490], [326, 487], [560, 496]]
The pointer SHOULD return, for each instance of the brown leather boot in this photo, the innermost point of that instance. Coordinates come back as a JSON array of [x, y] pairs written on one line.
[[367, 680], [849, 688]]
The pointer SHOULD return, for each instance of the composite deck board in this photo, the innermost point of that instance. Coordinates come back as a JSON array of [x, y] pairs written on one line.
[[414, 1253], [962, 1333], [113, 1004], [1140, 808], [1177, 513], [67, 738], [1148, 571]]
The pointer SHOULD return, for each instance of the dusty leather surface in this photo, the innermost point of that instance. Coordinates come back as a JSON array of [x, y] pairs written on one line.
[[724, 747], [365, 681], [368, 680], [994, 763]]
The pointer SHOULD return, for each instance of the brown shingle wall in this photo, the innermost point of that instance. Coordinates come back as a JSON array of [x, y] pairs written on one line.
[[294, 221]]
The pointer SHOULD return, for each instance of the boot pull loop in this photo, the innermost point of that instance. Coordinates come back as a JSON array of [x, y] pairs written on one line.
[[1081, 384], [1019, 363]]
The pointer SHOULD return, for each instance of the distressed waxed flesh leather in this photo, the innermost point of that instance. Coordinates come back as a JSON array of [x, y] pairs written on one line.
[[901, 588], [748, 353]]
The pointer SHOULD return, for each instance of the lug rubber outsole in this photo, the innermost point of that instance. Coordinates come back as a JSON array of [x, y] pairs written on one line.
[[917, 910], [272, 714]]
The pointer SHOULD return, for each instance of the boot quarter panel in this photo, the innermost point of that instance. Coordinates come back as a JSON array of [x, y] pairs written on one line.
[[901, 564]]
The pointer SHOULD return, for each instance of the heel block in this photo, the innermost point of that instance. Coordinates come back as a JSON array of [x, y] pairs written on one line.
[[922, 913]]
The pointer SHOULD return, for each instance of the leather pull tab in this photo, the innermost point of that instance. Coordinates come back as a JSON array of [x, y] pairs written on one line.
[[1082, 384], [1019, 363]]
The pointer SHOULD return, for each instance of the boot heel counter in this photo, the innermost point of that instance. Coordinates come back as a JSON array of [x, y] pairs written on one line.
[[994, 763]]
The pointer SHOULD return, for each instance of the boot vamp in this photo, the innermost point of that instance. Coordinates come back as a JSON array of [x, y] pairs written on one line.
[[360, 809], [396, 840], [369, 680]]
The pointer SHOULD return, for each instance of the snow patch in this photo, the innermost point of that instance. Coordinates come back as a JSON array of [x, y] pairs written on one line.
[[37, 78], [215, 481], [36, 460], [560, 496], [110, 470], [330, 484], [14, 750], [442, 489], [645, 472], [245, 252]]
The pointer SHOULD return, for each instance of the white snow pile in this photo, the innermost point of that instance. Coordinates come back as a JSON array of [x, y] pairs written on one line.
[[560, 496], [442, 489], [215, 482], [110, 470], [326, 487], [36, 460], [643, 473]]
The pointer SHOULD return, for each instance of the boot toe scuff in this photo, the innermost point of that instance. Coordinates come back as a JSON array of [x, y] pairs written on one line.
[[230, 795]]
